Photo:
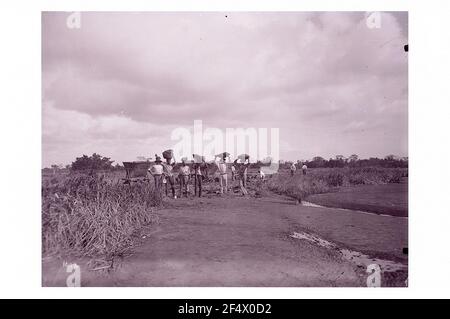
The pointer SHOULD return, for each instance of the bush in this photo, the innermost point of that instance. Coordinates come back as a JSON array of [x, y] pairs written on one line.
[[297, 187], [335, 179], [93, 162]]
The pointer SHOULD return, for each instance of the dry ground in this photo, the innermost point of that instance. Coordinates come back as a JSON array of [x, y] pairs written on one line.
[[236, 241]]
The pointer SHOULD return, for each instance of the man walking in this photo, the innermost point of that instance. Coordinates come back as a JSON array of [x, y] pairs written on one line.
[[304, 169], [293, 169]]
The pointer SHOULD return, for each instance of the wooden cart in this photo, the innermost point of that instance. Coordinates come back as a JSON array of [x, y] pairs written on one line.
[[136, 171]]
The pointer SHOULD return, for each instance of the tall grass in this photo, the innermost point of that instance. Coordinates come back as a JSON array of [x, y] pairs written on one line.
[[323, 180], [93, 216]]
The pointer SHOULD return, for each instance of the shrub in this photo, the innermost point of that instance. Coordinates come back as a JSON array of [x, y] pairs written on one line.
[[297, 187], [335, 179]]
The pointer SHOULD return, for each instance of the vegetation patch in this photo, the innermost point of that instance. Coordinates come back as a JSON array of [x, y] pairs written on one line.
[[92, 216]]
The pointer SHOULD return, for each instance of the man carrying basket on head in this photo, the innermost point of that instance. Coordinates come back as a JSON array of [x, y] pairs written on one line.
[[199, 163], [168, 168], [222, 167], [184, 176], [242, 168]]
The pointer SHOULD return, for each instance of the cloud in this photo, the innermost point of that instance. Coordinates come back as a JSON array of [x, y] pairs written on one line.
[[311, 74]]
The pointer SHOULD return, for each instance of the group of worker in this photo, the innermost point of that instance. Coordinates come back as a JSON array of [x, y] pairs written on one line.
[[294, 169], [162, 173]]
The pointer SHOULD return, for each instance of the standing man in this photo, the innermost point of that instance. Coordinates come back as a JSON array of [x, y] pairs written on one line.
[[204, 168], [233, 173], [242, 173], [304, 168], [223, 177], [262, 176], [243, 167], [168, 174], [157, 171], [293, 169], [198, 176], [184, 178]]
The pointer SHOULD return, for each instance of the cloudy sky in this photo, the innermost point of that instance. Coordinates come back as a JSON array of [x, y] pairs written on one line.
[[122, 82]]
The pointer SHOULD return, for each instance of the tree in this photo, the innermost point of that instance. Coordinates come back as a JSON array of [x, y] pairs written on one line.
[[93, 162], [353, 158], [317, 161]]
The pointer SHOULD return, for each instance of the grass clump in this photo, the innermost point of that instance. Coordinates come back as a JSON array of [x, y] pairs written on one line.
[[89, 216], [324, 180]]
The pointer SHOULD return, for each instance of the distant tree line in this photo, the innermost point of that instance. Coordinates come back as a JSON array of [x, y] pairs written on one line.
[[389, 161], [98, 162], [94, 162]]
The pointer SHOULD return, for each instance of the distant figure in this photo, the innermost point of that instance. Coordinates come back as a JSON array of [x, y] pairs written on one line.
[[245, 160], [222, 167], [157, 172], [304, 169], [204, 169], [262, 176], [233, 173], [183, 176], [168, 176], [293, 169], [198, 176], [242, 173]]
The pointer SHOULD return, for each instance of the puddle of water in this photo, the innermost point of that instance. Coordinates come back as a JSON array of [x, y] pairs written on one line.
[[308, 204], [355, 257], [315, 239]]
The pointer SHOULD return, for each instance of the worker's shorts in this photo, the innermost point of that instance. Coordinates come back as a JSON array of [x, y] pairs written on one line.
[[158, 180], [184, 179], [170, 180]]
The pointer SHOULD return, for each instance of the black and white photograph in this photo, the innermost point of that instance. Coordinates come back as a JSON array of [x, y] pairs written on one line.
[[217, 159], [224, 149]]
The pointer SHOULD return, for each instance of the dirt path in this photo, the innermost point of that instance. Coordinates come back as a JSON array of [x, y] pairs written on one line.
[[233, 241]]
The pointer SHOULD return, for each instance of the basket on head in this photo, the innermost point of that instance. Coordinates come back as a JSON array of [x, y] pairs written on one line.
[[198, 158], [243, 157], [168, 154], [223, 155]]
